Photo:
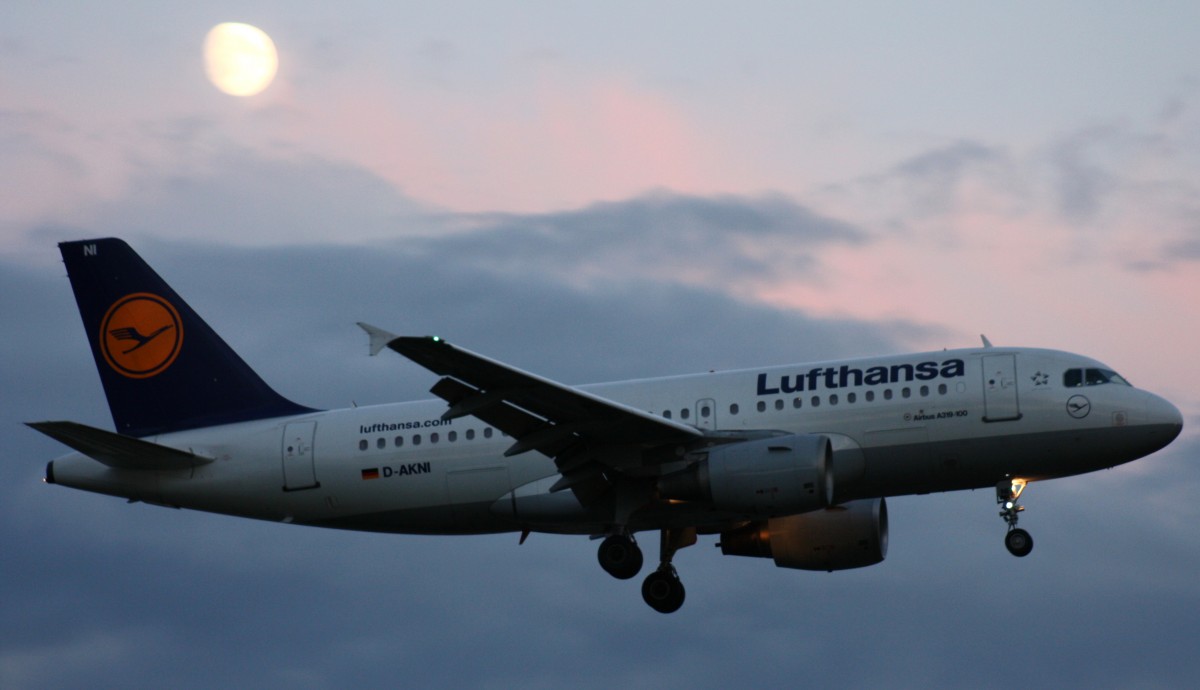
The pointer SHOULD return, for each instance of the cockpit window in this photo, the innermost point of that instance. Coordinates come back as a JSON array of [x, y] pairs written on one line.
[[1074, 378]]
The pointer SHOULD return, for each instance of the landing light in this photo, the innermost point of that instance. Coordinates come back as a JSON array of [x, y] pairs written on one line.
[[1018, 485]]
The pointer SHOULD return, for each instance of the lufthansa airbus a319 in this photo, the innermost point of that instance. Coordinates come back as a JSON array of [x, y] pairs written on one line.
[[792, 463]]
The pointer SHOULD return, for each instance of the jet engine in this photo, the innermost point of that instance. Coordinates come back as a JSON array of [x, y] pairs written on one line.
[[781, 475], [853, 535]]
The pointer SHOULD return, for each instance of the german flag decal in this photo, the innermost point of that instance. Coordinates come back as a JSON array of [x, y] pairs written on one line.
[[372, 473]]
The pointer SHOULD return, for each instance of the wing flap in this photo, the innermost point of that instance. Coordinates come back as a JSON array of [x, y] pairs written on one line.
[[587, 435], [116, 450], [531, 431]]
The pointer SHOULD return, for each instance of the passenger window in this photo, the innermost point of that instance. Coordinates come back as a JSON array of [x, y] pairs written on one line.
[[779, 404], [362, 445], [924, 391], [942, 389], [666, 414], [381, 443], [452, 436], [398, 441], [906, 392], [433, 438], [705, 412], [851, 397], [816, 401], [870, 396], [762, 406], [470, 434], [887, 394], [797, 403], [487, 433], [683, 414], [416, 439], [733, 408]]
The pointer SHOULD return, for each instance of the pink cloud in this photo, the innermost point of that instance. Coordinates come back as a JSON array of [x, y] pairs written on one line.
[[553, 143], [1029, 279]]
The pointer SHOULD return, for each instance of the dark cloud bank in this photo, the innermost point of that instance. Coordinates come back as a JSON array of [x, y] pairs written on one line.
[[100, 592]]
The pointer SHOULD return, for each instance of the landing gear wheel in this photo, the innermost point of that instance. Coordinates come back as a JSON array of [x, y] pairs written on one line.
[[1019, 542], [663, 591], [1008, 491], [620, 556]]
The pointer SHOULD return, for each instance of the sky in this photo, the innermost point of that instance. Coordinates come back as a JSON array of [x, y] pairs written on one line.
[[597, 192]]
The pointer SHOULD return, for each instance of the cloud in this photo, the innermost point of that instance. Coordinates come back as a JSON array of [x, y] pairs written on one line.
[[984, 236], [926, 193], [158, 594], [1185, 250], [1083, 183], [729, 244], [362, 189], [153, 596], [542, 136], [40, 174], [237, 197], [934, 178]]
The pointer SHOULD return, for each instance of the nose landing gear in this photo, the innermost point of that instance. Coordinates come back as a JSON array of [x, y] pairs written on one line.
[[1018, 541]]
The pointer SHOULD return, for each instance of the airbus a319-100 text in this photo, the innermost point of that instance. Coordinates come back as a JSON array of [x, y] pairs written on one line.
[[792, 463]]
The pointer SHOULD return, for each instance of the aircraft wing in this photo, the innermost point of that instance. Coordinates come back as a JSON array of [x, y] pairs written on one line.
[[574, 427]]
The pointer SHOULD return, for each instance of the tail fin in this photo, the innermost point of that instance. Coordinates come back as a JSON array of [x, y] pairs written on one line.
[[163, 368]]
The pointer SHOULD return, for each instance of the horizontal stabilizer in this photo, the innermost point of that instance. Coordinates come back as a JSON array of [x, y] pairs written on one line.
[[116, 450]]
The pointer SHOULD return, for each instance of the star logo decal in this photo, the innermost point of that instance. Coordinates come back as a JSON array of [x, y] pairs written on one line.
[[1040, 379]]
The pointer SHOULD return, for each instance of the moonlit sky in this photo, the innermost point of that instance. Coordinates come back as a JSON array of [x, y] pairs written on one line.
[[592, 192]]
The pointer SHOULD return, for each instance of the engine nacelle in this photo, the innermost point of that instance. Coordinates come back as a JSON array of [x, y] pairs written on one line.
[[765, 477], [853, 535]]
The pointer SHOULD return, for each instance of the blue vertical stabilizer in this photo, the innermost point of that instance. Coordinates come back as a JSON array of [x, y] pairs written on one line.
[[163, 368]]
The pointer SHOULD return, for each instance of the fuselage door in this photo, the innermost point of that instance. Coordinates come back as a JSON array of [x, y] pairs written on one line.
[[299, 471], [1000, 388], [706, 414]]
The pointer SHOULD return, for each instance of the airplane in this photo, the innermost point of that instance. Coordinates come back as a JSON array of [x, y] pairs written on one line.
[[792, 463]]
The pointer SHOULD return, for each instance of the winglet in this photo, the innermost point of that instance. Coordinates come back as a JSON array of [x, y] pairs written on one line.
[[986, 342], [379, 337]]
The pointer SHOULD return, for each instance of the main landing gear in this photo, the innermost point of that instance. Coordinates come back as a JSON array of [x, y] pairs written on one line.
[[620, 557], [662, 589], [1018, 541]]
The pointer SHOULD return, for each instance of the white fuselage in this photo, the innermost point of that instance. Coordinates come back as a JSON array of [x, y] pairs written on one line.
[[918, 423]]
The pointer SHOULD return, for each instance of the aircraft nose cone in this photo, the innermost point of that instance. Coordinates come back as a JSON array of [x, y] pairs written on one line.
[[1164, 418]]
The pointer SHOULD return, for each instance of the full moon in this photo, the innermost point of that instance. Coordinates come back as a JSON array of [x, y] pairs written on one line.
[[239, 59]]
